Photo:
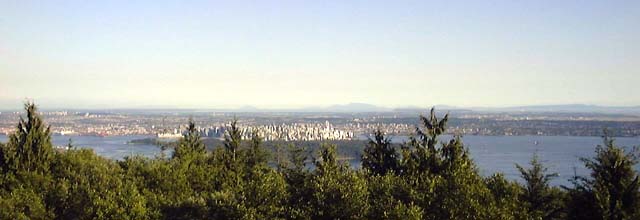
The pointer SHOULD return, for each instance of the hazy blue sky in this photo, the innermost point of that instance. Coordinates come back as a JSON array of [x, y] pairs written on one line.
[[296, 53]]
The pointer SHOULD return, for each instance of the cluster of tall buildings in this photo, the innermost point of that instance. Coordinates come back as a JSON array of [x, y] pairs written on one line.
[[387, 128], [300, 132], [272, 132]]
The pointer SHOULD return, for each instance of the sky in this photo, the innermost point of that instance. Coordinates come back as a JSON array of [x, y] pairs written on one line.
[[296, 53]]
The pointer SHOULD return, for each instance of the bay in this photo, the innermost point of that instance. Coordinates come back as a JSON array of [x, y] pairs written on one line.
[[561, 154], [112, 147], [491, 153]]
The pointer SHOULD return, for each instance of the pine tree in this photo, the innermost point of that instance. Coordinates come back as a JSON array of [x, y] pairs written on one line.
[[379, 156], [190, 144], [612, 190], [447, 181], [298, 156], [423, 156], [29, 149], [506, 198], [338, 193], [541, 200], [256, 155], [233, 139], [3, 159], [297, 175]]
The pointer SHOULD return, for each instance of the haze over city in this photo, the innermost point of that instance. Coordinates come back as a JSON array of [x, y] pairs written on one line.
[[294, 54]]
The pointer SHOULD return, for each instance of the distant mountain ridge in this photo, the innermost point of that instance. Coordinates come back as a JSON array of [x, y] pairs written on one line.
[[570, 108], [364, 107], [356, 107]]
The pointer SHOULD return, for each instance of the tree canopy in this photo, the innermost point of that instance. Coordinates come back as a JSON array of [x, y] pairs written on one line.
[[428, 177]]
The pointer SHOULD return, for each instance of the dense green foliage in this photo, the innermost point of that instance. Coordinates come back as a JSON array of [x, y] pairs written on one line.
[[540, 201], [425, 178], [379, 156]]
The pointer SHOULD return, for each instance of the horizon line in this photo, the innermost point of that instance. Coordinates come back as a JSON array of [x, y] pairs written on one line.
[[323, 108]]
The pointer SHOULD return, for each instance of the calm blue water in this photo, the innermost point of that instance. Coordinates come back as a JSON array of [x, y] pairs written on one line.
[[559, 153], [491, 153], [114, 147]]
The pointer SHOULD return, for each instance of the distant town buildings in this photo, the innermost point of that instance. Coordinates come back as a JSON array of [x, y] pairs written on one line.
[[324, 126], [285, 132], [298, 132]]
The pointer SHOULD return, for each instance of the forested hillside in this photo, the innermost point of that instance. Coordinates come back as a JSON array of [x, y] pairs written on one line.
[[422, 179]]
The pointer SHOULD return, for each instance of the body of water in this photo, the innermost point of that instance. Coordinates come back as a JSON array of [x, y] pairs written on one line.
[[491, 153], [561, 154], [113, 147]]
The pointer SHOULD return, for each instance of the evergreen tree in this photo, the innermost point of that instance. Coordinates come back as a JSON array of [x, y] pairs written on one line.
[[29, 149], [446, 180], [231, 158], [338, 193], [298, 157], [26, 180], [424, 156], [379, 156], [3, 162], [389, 198], [460, 192], [541, 200], [506, 196], [233, 139], [92, 187], [190, 144], [297, 175], [612, 190], [256, 155], [21, 203]]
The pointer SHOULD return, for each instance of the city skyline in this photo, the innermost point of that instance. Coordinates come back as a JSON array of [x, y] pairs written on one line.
[[150, 54]]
